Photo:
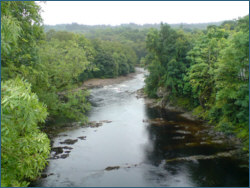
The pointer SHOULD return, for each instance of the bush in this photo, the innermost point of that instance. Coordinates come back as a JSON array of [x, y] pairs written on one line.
[[24, 147]]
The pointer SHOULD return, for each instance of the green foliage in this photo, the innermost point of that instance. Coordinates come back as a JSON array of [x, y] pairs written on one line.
[[130, 35], [210, 68], [59, 62], [184, 102], [22, 19], [168, 47], [24, 148], [10, 31], [64, 61], [203, 58], [113, 59], [207, 71], [154, 78], [76, 105], [49, 67], [232, 84]]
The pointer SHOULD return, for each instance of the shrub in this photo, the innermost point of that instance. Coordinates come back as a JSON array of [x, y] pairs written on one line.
[[24, 148]]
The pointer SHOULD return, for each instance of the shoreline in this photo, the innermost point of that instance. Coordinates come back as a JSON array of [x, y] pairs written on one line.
[[101, 82], [158, 103], [54, 127]]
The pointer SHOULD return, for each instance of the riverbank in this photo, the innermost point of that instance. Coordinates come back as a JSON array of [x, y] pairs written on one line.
[[210, 128], [59, 125], [56, 126], [160, 103], [101, 82]]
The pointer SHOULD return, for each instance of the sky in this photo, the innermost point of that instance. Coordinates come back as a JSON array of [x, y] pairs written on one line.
[[140, 12]]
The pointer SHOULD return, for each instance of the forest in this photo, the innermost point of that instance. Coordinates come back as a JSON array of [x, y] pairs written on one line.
[[206, 71], [202, 70]]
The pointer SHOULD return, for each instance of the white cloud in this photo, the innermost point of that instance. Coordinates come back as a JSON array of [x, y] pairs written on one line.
[[141, 12]]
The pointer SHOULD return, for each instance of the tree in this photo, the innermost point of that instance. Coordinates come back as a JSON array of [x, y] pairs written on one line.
[[204, 56], [232, 84], [206, 71], [24, 148], [25, 15], [167, 52]]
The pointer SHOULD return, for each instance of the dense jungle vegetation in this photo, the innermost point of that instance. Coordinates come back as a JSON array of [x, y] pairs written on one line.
[[206, 71]]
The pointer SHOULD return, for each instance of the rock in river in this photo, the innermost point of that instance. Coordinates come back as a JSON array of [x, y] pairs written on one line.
[[95, 124], [105, 121], [112, 168], [82, 137], [69, 141], [57, 150], [63, 156]]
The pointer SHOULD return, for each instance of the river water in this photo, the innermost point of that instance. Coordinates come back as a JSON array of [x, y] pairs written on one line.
[[142, 146]]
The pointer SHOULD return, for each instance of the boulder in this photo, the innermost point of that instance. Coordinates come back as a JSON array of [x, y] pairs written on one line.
[[112, 168], [69, 141]]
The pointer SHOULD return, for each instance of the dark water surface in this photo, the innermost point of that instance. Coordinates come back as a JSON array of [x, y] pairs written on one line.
[[169, 150]]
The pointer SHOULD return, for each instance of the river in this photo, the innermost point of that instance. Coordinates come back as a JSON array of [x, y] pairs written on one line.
[[140, 146]]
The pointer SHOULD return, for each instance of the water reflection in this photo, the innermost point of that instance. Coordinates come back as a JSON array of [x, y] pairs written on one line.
[[172, 140]]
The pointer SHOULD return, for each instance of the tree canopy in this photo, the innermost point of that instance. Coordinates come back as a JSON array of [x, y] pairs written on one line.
[[205, 71]]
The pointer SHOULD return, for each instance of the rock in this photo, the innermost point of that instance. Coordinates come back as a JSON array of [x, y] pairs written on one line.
[[189, 115], [191, 144], [82, 137], [66, 147], [98, 124], [112, 168], [217, 141], [178, 137], [105, 121], [92, 123], [197, 133], [76, 124], [203, 143], [67, 151], [140, 94], [204, 138], [183, 132], [69, 141], [54, 157], [204, 157], [161, 92], [171, 107], [63, 156], [151, 103], [57, 150], [130, 166], [44, 175], [156, 121], [63, 135], [95, 124]]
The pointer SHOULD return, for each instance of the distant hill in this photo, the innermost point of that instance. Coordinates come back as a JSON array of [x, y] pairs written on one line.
[[131, 34], [74, 27]]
